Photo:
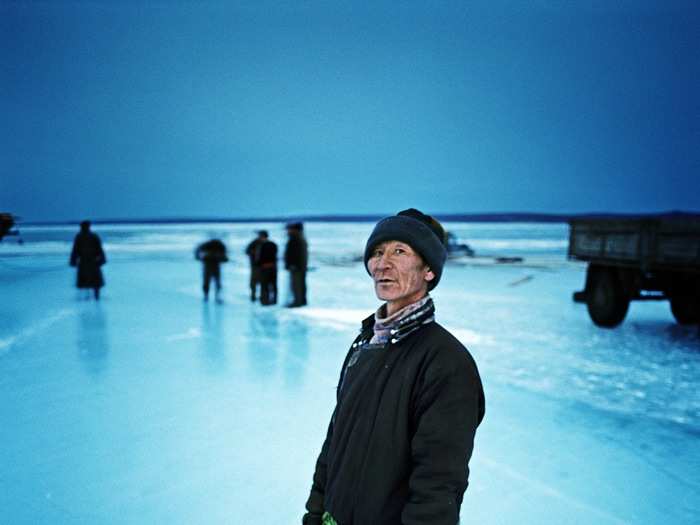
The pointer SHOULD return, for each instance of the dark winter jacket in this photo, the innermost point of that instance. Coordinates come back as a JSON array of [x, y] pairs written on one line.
[[296, 253], [211, 253], [252, 251], [401, 435], [88, 256], [267, 255]]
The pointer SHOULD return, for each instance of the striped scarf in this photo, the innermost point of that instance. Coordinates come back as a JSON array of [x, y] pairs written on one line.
[[385, 327]]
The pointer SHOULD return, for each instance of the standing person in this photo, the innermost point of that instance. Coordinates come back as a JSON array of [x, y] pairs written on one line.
[[296, 255], [252, 253], [409, 398], [212, 253], [88, 256], [267, 262]]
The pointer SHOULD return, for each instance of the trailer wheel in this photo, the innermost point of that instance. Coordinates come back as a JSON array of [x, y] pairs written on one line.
[[685, 309], [605, 297]]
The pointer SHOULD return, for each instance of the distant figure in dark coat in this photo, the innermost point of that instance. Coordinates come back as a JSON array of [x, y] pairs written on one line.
[[252, 251], [296, 256], [212, 253], [267, 262], [88, 256]]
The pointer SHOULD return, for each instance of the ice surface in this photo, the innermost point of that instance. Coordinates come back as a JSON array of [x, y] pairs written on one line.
[[154, 407]]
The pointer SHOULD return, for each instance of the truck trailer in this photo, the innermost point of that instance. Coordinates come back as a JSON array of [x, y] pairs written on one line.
[[647, 258]]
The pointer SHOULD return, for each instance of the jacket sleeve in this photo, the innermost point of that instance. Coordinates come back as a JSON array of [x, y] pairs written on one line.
[[74, 253], [314, 505], [447, 412], [291, 254], [304, 255], [287, 255]]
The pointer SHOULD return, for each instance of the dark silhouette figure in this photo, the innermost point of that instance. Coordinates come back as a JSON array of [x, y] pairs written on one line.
[[7, 221], [212, 253], [267, 262], [252, 251], [88, 256], [296, 257]]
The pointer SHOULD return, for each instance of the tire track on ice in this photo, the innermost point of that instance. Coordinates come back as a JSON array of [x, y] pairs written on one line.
[[27, 333]]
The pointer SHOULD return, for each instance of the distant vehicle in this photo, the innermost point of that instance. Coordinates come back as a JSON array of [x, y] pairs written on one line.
[[7, 221], [637, 259], [457, 249]]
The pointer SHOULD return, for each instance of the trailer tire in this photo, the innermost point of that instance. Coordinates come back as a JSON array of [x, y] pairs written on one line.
[[686, 309], [606, 299]]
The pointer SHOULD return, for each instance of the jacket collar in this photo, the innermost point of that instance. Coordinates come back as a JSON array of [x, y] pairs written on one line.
[[425, 315]]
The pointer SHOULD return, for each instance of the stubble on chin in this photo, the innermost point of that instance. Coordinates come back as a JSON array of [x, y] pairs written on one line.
[[382, 291]]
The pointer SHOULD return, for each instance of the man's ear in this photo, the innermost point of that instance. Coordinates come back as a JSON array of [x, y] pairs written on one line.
[[428, 275]]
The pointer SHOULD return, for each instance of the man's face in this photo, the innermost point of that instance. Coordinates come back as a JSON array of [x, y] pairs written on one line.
[[399, 273]]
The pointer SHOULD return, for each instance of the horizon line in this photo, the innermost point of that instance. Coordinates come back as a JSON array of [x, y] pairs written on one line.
[[442, 217]]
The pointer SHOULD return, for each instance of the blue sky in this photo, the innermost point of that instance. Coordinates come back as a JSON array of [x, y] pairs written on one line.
[[245, 109]]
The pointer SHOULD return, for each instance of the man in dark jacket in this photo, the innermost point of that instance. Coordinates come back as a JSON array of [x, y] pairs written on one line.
[[212, 253], [409, 397], [88, 256], [267, 262], [296, 255], [253, 252]]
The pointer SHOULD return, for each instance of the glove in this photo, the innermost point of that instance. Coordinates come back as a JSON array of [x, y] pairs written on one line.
[[311, 519]]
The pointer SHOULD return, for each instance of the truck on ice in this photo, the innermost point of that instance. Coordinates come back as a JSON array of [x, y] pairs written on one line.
[[638, 259]]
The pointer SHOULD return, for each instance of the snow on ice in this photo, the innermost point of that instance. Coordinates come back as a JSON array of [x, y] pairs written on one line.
[[154, 407]]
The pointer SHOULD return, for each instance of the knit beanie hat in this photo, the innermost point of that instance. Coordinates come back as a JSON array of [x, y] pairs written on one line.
[[420, 231]]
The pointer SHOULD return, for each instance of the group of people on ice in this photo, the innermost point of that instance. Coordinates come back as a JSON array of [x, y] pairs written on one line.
[[88, 256], [262, 254]]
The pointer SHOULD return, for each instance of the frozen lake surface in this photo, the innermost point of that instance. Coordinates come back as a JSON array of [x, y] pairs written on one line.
[[154, 407]]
